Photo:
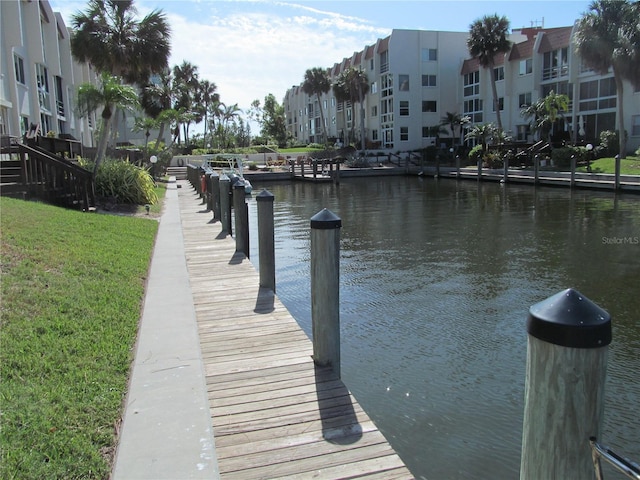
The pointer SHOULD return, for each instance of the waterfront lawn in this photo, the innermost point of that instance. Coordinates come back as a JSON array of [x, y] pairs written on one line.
[[72, 287], [628, 166]]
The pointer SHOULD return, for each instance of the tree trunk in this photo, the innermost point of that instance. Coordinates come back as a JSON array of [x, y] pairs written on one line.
[[324, 129], [622, 134], [494, 90], [362, 139], [102, 141]]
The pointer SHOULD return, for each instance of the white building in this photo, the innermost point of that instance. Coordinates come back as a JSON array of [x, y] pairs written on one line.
[[38, 76], [416, 77]]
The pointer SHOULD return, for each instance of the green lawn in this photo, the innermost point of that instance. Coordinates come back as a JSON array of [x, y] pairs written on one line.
[[628, 166], [72, 287]]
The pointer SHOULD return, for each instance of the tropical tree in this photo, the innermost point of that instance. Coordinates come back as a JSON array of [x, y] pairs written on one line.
[[111, 94], [316, 82], [273, 120], [108, 36], [156, 98], [488, 38], [435, 131], [482, 133], [545, 112], [185, 85], [205, 96], [356, 83], [608, 37], [343, 95]]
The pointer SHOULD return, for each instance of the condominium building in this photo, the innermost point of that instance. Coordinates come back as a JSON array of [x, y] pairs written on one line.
[[38, 75], [417, 77]]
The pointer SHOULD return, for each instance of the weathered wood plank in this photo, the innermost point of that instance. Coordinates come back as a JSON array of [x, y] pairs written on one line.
[[274, 413]]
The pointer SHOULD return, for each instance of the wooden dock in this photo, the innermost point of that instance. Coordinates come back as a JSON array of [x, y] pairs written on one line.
[[274, 413]]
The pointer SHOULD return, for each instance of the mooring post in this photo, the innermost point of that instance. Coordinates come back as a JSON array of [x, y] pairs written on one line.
[[266, 243], [572, 182], [536, 169], [241, 216], [567, 349], [617, 173], [480, 169], [505, 173], [209, 196], [225, 203], [458, 167], [325, 289], [215, 195], [336, 178]]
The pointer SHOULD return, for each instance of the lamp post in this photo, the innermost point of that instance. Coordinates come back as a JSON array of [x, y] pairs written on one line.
[[153, 161], [589, 149]]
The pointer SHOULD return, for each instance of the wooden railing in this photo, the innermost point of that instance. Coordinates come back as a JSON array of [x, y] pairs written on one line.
[[55, 179]]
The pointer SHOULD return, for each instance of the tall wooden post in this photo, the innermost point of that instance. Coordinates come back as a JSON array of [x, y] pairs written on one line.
[[266, 243], [536, 169], [215, 195], [225, 204], [325, 289], [241, 215], [567, 351], [572, 182], [617, 173]]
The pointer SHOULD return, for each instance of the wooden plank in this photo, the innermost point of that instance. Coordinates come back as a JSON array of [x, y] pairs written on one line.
[[274, 413]]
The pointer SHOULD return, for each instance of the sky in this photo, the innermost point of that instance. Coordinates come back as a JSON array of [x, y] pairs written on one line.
[[252, 48]]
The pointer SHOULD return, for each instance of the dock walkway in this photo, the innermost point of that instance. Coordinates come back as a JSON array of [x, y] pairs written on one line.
[[275, 414]]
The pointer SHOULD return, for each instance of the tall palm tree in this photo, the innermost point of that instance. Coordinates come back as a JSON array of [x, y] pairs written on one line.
[[342, 94], [108, 36], [156, 98], [482, 132], [608, 37], [185, 84], [545, 112], [316, 82], [356, 83], [488, 38], [205, 96], [110, 95], [452, 120]]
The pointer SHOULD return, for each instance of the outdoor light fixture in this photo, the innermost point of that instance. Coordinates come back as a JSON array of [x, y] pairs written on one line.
[[589, 148], [153, 161]]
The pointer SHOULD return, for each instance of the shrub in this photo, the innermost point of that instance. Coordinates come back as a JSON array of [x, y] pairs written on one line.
[[126, 182], [475, 154], [609, 143], [562, 156]]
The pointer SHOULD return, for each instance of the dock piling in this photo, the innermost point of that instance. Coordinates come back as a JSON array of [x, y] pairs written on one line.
[[266, 243], [241, 216]]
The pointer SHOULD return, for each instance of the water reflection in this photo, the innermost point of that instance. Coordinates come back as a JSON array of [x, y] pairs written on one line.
[[436, 281]]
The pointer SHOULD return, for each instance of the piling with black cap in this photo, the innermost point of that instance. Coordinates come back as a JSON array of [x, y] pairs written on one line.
[[266, 244], [225, 203], [241, 216], [214, 188], [567, 349], [325, 289]]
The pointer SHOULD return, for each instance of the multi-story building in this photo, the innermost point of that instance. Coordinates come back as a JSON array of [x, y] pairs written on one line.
[[416, 77], [38, 75]]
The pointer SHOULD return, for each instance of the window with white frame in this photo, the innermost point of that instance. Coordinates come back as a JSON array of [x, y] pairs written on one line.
[[500, 104], [18, 64], [429, 106], [597, 94], [404, 134], [471, 83], [525, 67], [404, 108], [4, 115], [429, 81], [44, 97], [499, 73], [555, 63], [635, 125], [473, 109], [403, 81], [384, 62], [374, 111], [429, 54], [386, 82], [373, 88], [524, 100]]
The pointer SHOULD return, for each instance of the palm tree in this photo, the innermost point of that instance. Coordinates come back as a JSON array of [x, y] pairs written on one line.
[[342, 94], [608, 37], [452, 120], [545, 113], [482, 132], [488, 38], [156, 98], [110, 95], [205, 95], [316, 82], [229, 114], [185, 84], [356, 83], [108, 36]]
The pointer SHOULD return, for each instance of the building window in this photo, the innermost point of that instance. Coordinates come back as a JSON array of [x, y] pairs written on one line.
[[4, 115], [384, 62], [404, 108], [373, 88], [429, 54], [374, 135], [42, 76], [555, 64], [429, 106], [635, 125], [526, 67], [524, 100], [24, 125], [371, 64], [499, 73], [472, 83], [404, 134], [403, 81], [386, 82], [523, 132], [429, 81], [374, 111], [18, 64], [386, 111], [500, 104], [473, 109], [598, 94]]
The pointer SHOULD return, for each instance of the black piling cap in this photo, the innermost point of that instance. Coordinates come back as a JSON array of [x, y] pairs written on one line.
[[265, 196], [570, 319], [325, 220]]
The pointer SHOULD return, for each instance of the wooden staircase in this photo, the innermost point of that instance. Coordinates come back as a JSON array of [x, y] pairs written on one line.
[[28, 171]]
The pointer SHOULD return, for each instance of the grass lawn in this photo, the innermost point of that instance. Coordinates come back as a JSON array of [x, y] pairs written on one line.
[[628, 166], [72, 287]]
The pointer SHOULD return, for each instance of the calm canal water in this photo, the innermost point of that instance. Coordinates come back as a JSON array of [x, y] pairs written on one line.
[[437, 277]]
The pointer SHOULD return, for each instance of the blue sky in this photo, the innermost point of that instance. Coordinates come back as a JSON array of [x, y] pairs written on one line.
[[252, 48]]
